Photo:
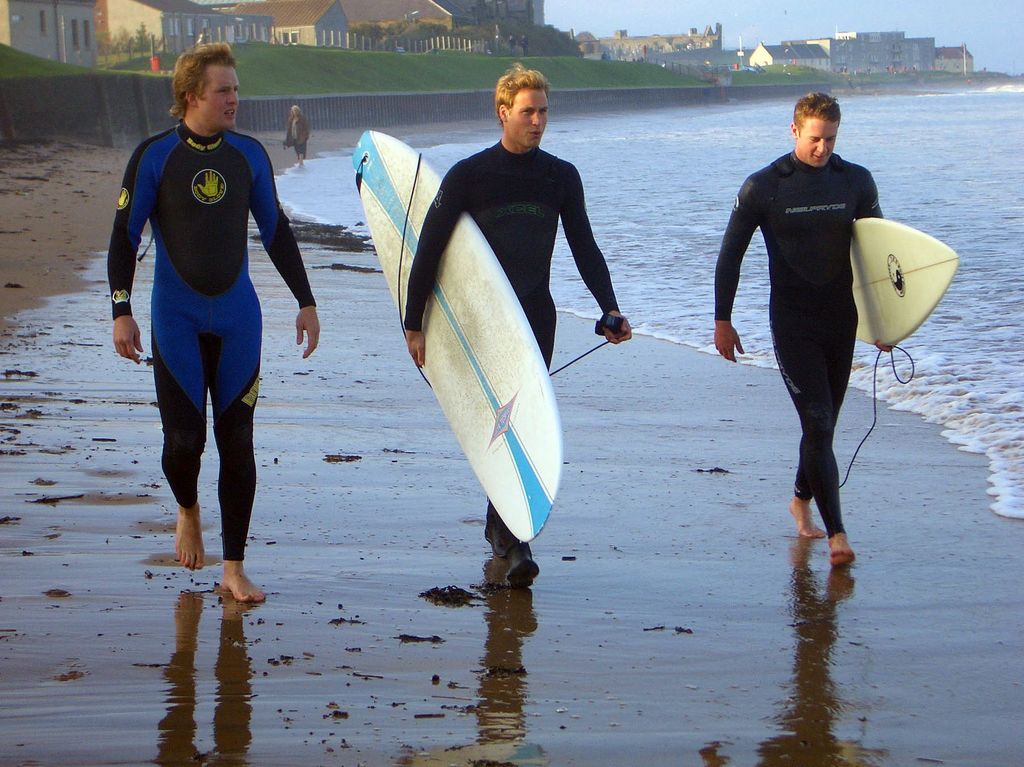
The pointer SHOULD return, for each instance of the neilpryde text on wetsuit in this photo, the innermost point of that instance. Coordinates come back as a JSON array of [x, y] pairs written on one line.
[[806, 216]]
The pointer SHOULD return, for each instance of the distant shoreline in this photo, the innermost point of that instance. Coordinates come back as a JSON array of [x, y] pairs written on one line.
[[120, 110]]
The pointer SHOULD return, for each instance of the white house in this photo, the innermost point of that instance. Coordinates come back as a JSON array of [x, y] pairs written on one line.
[[798, 54]]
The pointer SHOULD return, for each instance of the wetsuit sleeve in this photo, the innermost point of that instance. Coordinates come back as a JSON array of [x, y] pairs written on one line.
[[276, 232], [578, 233], [284, 253], [742, 223], [437, 229], [867, 205], [134, 206]]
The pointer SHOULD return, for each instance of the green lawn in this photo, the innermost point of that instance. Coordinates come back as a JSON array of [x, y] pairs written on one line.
[[17, 64], [275, 70], [781, 75], [267, 70]]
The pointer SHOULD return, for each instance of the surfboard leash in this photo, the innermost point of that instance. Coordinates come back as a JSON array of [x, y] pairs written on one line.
[[142, 255], [405, 228], [401, 253], [874, 398], [567, 364]]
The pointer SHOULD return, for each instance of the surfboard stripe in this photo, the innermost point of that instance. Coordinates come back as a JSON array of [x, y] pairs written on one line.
[[915, 270], [538, 498]]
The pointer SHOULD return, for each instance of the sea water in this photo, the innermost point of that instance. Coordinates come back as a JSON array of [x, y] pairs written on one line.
[[660, 185]]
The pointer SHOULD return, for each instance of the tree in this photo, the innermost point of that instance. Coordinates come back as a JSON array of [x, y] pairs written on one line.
[[140, 41]]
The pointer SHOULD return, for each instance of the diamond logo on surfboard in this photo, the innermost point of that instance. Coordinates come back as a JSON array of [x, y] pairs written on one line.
[[503, 419]]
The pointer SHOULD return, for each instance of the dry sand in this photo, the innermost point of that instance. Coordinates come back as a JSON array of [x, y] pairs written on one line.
[[676, 621]]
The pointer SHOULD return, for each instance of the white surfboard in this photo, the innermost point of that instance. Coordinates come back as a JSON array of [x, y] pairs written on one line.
[[482, 360], [899, 277]]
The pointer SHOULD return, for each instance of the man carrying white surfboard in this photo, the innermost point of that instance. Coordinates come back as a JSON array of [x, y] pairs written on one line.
[[516, 193], [805, 204]]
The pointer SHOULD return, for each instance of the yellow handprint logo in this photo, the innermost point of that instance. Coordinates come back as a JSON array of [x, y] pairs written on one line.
[[208, 186]]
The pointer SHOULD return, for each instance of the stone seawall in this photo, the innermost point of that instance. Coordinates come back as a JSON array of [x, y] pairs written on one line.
[[121, 110], [106, 110]]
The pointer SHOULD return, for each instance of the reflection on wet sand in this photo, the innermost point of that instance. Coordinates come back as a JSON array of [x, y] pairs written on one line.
[[814, 703], [501, 721], [176, 743]]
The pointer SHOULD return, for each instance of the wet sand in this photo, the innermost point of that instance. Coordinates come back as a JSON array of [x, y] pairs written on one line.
[[676, 620]]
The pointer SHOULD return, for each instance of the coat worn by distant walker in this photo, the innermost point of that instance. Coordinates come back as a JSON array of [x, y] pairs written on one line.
[[297, 133]]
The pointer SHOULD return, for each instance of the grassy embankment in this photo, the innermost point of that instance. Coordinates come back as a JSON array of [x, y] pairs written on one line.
[[268, 70], [274, 70], [17, 64]]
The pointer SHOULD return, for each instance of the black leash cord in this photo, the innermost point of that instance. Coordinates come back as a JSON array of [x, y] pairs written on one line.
[[142, 255], [874, 398], [567, 364], [401, 253]]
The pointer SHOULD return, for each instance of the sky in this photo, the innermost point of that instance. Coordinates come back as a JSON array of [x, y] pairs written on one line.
[[991, 28]]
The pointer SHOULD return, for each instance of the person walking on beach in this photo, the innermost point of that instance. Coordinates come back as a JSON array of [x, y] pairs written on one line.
[[296, 133], [196, 184], [516, 193], [805, 203]]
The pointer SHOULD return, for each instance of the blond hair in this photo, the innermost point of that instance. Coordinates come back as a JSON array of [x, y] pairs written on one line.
[[190, 72], [819, 106], [517, 78]]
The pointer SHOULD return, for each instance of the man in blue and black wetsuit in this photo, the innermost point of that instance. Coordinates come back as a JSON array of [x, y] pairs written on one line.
[[196, 185], [805, 204], [516, 193]]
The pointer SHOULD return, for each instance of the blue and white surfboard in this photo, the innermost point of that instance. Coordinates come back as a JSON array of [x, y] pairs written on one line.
[[482, 360]]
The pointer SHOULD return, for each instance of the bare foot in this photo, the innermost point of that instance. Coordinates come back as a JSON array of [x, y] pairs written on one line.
[[801, 511], [188, 539], [841, 553], [237, 583]]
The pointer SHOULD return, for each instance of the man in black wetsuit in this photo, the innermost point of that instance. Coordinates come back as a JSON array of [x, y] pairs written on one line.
[[196, 185], [516, 193], [805, 204]]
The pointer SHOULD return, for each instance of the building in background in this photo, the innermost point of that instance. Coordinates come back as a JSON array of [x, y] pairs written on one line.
[[526, 11], [59, 30], [620, 46], [867, 52], [954, 59], [590, 46], [800, 54], [450, 13], [320, 23], [446, 13], [173, 26]]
